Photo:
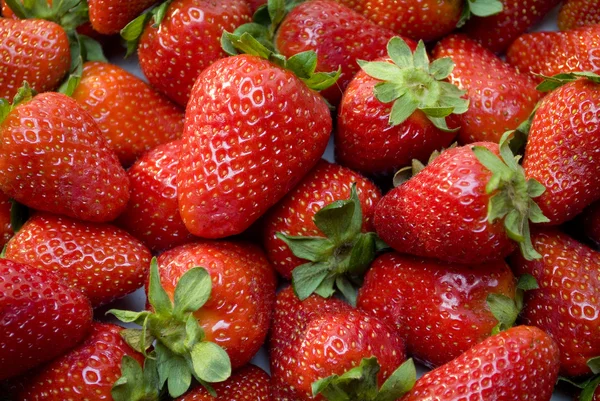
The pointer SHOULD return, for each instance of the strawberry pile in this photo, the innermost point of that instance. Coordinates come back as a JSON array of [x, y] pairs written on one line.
[[458, 228]]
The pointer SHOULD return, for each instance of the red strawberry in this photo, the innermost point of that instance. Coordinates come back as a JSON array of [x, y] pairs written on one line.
[[131, 115], [102, 261], [40, 317], [376, 136], [242, 149], [249, 383], [152, 214], [566, 305], [255, 4], [550, 53], [561, 148], [6, 230], [500, 97], [591, 222], [110, 16], [440, 309], [53, 157], [520, 363], [577, 13], [498, 31]]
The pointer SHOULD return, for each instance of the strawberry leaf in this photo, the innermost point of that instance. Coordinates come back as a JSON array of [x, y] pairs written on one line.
[[133, 32], [192, 291], [558, 80], [309, 248], [308, 277], [135, 383], [210, 362], [399, 383], [587, 394], [506, 310], [594, 365], [479, 8]]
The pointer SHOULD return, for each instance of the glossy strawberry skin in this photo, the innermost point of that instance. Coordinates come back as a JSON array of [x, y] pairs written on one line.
[[54, 158], [566, 306], [520, 363], [366, 142], [577, 13], [35, 51], [88, 371], [110, 16], [551, 53], [133, 117], [500, 97], [442, 212], [339, 36], [187, 41], [40, 317], [250, 383], [561, 150], [102, 261], [323, 185], [152, 214], [252, 131], [439, 309], [6, 230], [238, 313]]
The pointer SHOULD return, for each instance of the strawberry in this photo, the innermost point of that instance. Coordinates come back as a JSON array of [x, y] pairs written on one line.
[[565, 160], [54, 158], [464, 207], [550, 53], [6, 230], [520, 363], [316, 340], [40, 317], [256, 4], [376, 137], [152, 214], [110, 16], [500, 97], [577, 13], [566, 304], [119, 102], [497, 32], [591, 222], [102, 261]]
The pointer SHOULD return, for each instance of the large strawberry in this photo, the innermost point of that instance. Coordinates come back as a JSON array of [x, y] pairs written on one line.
[[110, 16], [40, 317], [132, 116], [396, 110], [152, 214], [577, 13], [561, 148], [500, 97], [53, 157], [101, 260], [6, 229], [520, 363]]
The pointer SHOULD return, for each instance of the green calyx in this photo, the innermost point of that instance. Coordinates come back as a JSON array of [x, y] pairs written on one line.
[[406, 173], [83, 48], [180, 349], [412, 83], [133, 31], [67, 13], [24, 95], [268, 17], [513, 194], [505, 309], [135, 383], [360, 383], [589, 386], [558, 80], [479, 8], [339, 260]]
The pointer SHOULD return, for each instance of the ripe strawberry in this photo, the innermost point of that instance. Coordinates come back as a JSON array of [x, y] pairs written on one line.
[[40, 317], [497, 32], [102, 261], [110, 16], [561, 148], [54, 158], [577, 13], [551, 53], [132, 116], [256, 4], [520, 363], [591, 222], [242, 150], [152, 214], [6, 230], [376, 137], [500, 97]]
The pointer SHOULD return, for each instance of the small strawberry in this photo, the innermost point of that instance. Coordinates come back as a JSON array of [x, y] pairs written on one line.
[[551, 53], [152, 214], [102, 261], [110, 16], [395, 110], [577, 13], [54, 158], [132, 116], [520, 363], [6, 229], [40, 317], [591, 222], [500, 97]]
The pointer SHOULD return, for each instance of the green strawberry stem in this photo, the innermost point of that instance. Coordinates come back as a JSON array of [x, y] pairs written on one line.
[[135, 383], [410, 82], [180, 348], [360, 383], [133, 31], [479, 8], [338, 260], [558, 80], [506, 310]]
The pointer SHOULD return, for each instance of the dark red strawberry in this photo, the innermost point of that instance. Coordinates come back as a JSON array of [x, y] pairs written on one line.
[[110, 16], [500, 97], [132, 116], [577, 13], [54, 158], [255, 4], [40, 317], [520, 363], [152, 214], [6, 230], [101, 260]]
